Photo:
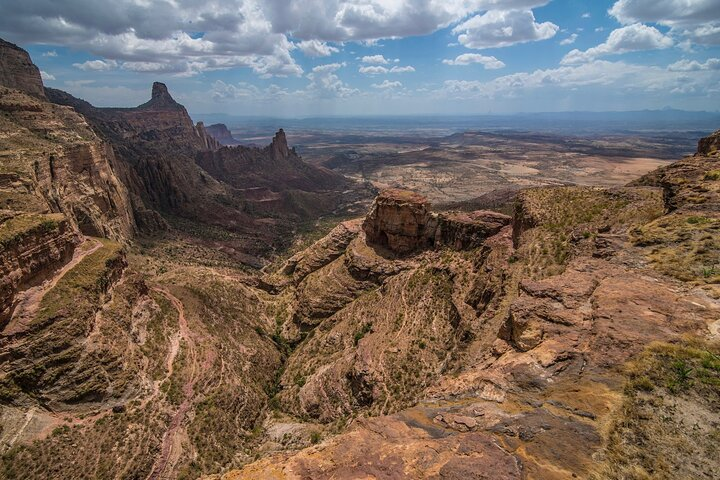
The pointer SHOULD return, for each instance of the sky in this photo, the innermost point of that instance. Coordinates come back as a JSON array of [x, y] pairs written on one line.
[[294, 58]]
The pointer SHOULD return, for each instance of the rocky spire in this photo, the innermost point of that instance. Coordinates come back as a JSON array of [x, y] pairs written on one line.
[[18, 71], [279, 144], [161, 98]]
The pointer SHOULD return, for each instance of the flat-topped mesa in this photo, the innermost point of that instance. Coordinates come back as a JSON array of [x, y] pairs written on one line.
[[709, 145], [18, 72], [402, 221], [398, 220], [222, 134]]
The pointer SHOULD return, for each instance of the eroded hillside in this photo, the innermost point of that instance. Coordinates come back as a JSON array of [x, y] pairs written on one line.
[[577, 337]]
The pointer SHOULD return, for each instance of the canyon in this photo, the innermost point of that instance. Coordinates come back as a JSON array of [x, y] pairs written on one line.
[[173, 305]]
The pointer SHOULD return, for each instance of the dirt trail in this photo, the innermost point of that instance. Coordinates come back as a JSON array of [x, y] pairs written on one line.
[[171, 439], [29, 300]]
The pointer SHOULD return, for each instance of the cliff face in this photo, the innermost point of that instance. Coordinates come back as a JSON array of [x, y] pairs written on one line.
[[403, 222], [220, 132], [53, 161], [172, 166], [18, 72], [276, 167], [31, 247]]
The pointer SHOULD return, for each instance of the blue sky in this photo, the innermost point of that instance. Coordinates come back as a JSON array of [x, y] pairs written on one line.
[[374, 57]]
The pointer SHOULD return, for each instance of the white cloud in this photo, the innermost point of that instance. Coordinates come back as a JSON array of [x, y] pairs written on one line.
[[161, 36], [600, 29], [490, 63], [380, 70], [585, 15], [46, 76], [375, 59], [632, 38], [694, 65], [51, 53], [695, 19], [666, 12], [78, 83], [569, 40], [500, 28], [373, 70], [387, 85], [324, 82], [406, 69], [316, 48], [611, 76], [96, 65], [370, 20]]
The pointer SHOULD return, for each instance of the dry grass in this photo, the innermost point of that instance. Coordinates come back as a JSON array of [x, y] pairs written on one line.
[[683, 245], [21, 226], [667, 426]]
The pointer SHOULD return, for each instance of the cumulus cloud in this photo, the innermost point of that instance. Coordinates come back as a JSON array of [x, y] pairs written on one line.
[[695, 19], [316, 48], [380, 70], [569, 40], [369, 20], [666, 12], [46, 76], [387, 84], [632, 38], [96, 65], [178, 36], [694, 65], [185, 37], [490, 63], [585, 15], [325, 83], [501, 28], [51, 53], [620, 76], [375, 59]]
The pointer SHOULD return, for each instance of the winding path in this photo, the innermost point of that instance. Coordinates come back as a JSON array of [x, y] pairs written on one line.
[[28, 301], [170, 438]]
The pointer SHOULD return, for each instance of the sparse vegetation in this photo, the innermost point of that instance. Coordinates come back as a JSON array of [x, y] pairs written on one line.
[[661, 430]]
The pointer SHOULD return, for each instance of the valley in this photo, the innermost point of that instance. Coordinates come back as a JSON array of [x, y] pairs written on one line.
[[475, 305]]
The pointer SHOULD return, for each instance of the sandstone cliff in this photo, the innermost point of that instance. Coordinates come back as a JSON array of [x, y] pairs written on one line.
[[403, 222], [174, 167], [222, 134], [18, 72]]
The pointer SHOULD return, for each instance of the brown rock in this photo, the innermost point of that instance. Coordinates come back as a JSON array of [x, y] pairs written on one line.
[[221, 133], [465, 231], [398, 220], [709, 145], [18, 72]]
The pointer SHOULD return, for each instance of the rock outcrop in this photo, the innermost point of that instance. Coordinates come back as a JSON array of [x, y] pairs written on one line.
[[403, 222], [18, 72], [53, 161], [398, 220], [222, 134], [709, 145], [32, 246]]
